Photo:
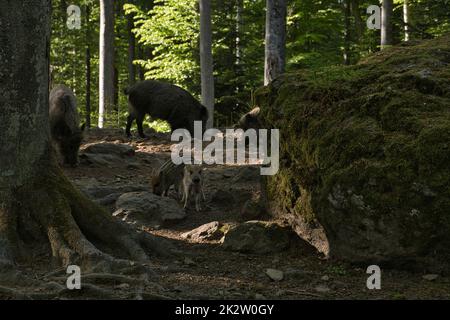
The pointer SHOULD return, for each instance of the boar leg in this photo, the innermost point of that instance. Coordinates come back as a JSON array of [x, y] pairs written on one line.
[[130, 120], [197, 202], [139, 121]]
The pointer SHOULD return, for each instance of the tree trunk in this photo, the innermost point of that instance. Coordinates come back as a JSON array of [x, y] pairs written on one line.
[[239, 26], [406, 19], [386, 24], [41, 214], [274, 65], [347, 13], [131, 51], [141, 71], [88, 67], [359, 23], [106, 60], [206, 60], [116, 68]]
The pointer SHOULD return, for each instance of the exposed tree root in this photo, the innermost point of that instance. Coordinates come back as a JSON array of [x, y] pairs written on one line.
[[49, 217]]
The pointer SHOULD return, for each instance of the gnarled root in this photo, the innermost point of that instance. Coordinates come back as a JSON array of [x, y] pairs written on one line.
[[50, 217]]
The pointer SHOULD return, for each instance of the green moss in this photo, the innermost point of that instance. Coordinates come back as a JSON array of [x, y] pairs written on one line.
[[365, 151]]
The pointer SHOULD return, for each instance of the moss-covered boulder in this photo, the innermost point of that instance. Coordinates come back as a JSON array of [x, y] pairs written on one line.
[[365, 154]]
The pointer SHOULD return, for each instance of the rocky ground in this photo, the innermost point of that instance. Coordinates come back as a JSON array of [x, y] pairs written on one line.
[[254, 260]]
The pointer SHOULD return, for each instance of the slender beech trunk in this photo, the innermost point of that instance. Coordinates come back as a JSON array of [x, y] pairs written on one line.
[[406, 19], [88, 67], [386, 24], [347, 13], [239, 27], [275, 39], [106, 60], [206, 60], [131, 51]]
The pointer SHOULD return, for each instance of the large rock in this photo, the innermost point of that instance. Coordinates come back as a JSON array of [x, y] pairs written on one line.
[[257, 237], [365, 154], [148, 209]]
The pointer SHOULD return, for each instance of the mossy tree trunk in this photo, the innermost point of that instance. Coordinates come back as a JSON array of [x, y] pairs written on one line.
[[41, 213]]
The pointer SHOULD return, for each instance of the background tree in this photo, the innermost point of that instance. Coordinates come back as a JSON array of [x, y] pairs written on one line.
[[406, 19], [131, 50], [386, 23], [274, 63], [106, 60], [87, 27], [206, 60]]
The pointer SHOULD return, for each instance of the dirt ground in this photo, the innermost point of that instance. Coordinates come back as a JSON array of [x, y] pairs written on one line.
[[209, 272]]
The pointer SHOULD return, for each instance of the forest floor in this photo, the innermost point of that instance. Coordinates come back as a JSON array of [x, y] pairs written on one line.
[[209, 271]]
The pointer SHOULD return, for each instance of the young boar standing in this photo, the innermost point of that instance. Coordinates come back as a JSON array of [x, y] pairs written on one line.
[[65, 130], [166, 102], [193, 185]]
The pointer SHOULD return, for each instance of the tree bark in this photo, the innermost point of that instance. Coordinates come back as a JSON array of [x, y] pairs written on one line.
[[41, 213], [386, 24], [206, 60], [274, 65], [106, 60]]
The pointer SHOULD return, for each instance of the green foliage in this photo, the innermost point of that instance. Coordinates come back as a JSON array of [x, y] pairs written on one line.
[[167, 48], [158, 125], [171, 29]]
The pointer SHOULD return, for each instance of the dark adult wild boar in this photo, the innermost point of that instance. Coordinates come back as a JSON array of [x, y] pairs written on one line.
[[65, 129], [166, 102]]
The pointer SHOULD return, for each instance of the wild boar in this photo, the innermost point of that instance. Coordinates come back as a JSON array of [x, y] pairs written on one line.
[[193, 185], [249, 120], [168, 175], [65, 130], [166, 102]]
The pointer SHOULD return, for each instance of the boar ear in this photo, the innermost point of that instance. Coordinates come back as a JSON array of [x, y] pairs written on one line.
[[83, 126], [255, 112]]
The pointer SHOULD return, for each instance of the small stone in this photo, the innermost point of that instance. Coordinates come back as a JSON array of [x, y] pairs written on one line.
[[123, 286], [280, 293], [296, 274], [430, 277], [259, 296], [325, 278], [188, 261], [275, 275], [322, 289]]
